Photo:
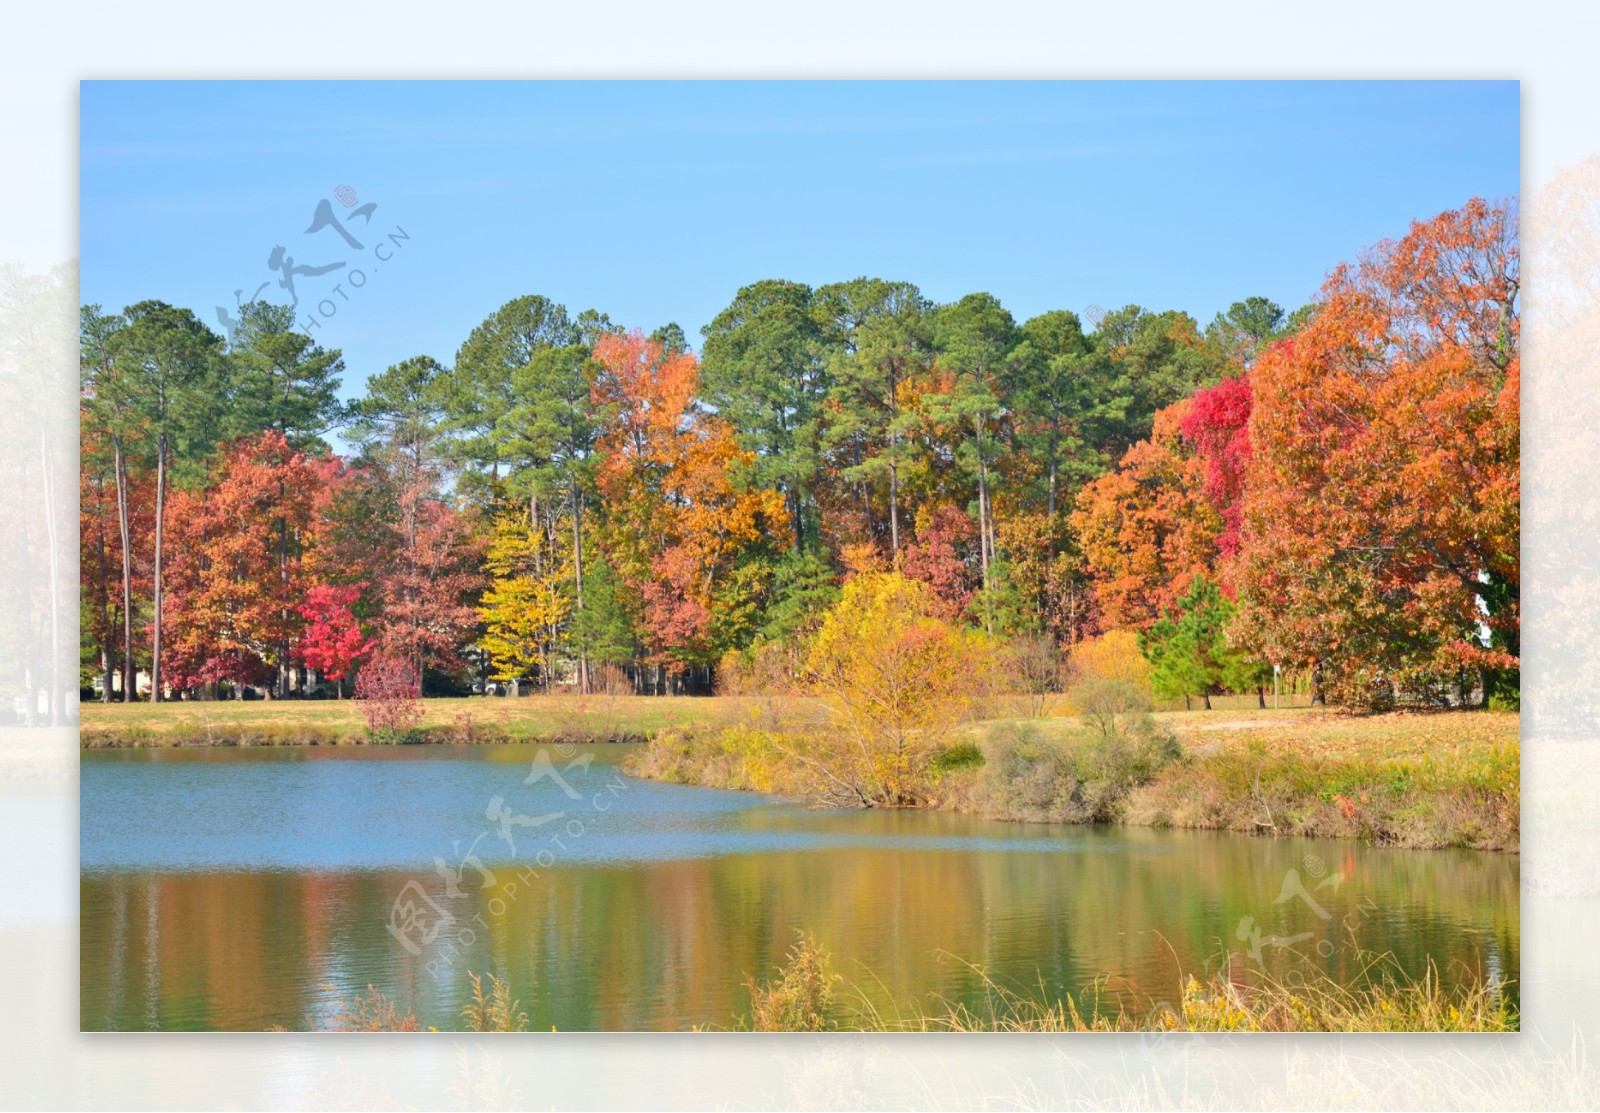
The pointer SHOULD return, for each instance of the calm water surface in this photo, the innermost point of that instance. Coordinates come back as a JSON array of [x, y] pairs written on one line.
[[241, 889]]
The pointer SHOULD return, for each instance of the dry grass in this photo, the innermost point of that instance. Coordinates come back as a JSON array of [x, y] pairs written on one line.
[[1411, 779], [1449, 779], [470, 720], [799, 998], [372, 1012], [1390, 736], [493, 1010], [1380, 998]]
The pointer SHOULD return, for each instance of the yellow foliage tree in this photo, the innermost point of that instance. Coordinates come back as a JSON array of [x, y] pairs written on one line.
[[1113, 655], [528, 599], [896, 680]]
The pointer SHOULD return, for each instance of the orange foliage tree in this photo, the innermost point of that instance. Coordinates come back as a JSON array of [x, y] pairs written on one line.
[[1147, 529], [235, 585], [1380, 527], [678, 512]]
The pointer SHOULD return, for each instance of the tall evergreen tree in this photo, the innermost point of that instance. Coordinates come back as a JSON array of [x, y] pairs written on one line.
[[762, 371], [975, 337], [173, 364], [282, 379], [879, 336]]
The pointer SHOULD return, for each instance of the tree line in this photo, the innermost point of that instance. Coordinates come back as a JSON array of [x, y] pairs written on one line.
[[1332, 490]]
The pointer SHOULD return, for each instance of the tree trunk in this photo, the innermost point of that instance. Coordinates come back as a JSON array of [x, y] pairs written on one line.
[[121, 476], [285, 678], [108, 609], [1318, 697], [1207, 697], [894, 510], [798, 517], [577, 583], [894, 467], [983, 515], [1261, 696], [161, 503], [1053, 470]]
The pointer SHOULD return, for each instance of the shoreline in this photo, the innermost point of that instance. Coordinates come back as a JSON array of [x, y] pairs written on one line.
[[1468, 797], [103, 741], [1438, 780], [1159, 804]]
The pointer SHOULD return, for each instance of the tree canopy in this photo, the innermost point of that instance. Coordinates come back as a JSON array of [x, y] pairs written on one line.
[[1333, 490]]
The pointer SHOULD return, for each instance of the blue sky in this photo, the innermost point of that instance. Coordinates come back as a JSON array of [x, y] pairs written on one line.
[[656, 202]]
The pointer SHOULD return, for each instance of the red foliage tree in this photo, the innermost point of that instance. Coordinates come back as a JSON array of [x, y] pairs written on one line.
[[389, 690], [938, 556], [427, 574], [1217, 424], [332, 643]]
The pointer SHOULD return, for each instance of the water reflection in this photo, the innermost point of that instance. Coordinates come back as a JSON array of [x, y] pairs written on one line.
[[652, 917]]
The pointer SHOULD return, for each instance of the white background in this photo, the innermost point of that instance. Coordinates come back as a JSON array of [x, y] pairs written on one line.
[[1550, 47]]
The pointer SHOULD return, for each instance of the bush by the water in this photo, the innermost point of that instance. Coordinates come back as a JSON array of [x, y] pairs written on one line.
[[798, 998], [1024, 776], [1037, 780]]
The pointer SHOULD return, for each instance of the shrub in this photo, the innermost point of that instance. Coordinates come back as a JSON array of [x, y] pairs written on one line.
[[1034, 780], [743, 758], [389, 693], [1129, 757], [766, 668], [1109, 706], [963, 755], [797, 1000], [1030, 667], [372, 1012]]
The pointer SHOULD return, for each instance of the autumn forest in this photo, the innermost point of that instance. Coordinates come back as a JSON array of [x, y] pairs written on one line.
[[570, 502]]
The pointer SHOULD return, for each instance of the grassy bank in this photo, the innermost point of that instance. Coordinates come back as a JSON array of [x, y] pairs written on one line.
[[1422, 780], [1446, 779], [478, 719]]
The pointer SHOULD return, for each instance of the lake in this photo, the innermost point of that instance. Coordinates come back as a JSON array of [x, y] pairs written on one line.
[[226, 889]]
